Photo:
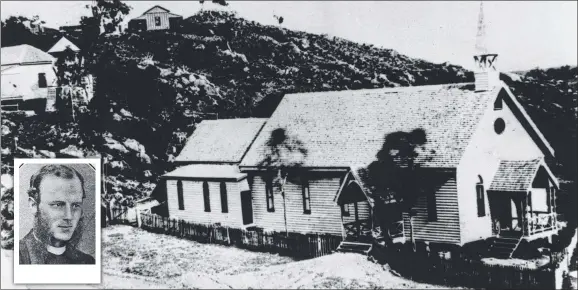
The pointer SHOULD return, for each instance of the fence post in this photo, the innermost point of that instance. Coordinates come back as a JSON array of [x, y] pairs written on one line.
[[138, 220]]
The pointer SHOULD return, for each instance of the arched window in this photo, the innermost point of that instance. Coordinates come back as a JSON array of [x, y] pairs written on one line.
[[269, 194], [480, 196], [180, 195], [224, 203], [306, 196], [206, 196]]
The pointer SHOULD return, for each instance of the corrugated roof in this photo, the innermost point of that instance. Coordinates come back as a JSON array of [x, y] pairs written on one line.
[[207, 171], [345, 128], [24, 54], [515, 175], [224, 140], [61, 45]]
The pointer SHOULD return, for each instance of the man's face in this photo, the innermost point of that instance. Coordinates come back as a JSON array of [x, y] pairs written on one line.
[[60, 206]]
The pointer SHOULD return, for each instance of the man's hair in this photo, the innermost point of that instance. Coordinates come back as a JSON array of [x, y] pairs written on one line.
[[57, 170]]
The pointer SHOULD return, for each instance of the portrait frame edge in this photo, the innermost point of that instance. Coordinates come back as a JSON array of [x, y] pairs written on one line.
[[52, 274]]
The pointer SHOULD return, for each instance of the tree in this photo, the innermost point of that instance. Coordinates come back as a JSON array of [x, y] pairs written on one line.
[[279, 19], [284, 154], [17, 30], [400, 160], [106, 15], [69, 74], [221, 2]]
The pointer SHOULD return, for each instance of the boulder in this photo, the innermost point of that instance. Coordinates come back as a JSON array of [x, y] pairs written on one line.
[[7, 181], [125, 113], [114, 145], [133, 145], [73, 151]]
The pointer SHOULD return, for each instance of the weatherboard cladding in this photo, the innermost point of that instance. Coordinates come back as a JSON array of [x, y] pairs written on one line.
[[446, 229], [325, 216], [224, 140], [345, 128], [193, 200], [515, 175]]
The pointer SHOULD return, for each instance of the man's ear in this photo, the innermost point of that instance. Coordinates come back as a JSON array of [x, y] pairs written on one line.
[[33, 205]]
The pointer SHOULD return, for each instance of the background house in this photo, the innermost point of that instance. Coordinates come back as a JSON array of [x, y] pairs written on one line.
[[156, 18], [207, 186], [60, 46], [27, 75]]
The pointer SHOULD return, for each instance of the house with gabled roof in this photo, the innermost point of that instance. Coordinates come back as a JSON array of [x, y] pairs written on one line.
[[207, 186], [156, 18], [487, 160], [27, 75], [61, 45]]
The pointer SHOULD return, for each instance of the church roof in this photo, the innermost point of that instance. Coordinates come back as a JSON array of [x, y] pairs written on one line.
[[343, 128], [225, 140]]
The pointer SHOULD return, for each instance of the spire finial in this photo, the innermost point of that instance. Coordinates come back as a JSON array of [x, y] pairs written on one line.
[[484, 60], [481, 36], [486, 75]]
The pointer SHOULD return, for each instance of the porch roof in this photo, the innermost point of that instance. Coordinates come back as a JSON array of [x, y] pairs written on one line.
[[206, 171], [518, 175]]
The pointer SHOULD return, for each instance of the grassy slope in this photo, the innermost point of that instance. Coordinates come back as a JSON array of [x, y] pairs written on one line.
[[193, 265]]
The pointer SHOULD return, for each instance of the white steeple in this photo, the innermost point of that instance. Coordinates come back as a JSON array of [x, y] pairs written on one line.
[[486, 74]]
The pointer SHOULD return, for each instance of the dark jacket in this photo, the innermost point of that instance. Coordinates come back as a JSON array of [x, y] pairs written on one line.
[[33, 251]]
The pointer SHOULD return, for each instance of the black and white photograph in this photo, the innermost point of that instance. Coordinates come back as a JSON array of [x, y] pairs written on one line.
[[56, 220], [289, 144]]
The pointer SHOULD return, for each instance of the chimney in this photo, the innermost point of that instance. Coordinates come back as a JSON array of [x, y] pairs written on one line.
[[486, 75]]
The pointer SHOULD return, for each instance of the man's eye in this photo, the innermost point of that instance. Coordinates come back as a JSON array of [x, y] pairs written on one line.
[[76, 205], [57, 204]]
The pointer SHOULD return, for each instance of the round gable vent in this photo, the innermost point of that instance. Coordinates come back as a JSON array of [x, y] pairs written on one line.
[[499, 126]]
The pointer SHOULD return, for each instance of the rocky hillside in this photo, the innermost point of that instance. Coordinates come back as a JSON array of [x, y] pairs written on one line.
[[153, 87]]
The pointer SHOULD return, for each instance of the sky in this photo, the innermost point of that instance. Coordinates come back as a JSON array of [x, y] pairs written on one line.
[[525, 34]]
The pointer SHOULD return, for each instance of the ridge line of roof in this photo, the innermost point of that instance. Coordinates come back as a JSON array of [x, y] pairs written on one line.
[[253, 141], [396, 89], [231, 119]]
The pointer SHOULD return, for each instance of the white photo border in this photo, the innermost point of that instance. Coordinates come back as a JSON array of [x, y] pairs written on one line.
[[58, 274]]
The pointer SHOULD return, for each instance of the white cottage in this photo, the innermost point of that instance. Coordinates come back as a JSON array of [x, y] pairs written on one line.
[[156, 18], [27, 75]]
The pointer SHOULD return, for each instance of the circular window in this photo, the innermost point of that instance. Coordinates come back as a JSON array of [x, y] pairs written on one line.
[[499, 125]]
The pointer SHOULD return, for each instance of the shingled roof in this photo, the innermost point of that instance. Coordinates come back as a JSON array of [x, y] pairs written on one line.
[[24, 54], [515, 175], [346, 128], [224, 141]]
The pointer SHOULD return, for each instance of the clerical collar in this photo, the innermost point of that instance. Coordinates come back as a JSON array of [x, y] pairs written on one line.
[[49, 248], [55, 250]]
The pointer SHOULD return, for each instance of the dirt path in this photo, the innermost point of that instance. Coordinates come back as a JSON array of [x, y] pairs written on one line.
[[335, 271]]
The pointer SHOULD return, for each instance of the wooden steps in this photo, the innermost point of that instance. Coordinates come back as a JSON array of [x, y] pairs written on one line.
[[354, 247], [504, 247]]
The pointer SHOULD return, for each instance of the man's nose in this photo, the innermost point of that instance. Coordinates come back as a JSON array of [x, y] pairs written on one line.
[[68, 212]]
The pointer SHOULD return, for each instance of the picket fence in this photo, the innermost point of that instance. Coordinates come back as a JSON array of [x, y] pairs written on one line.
[[467, 273], [120, 215], [299, 246]]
